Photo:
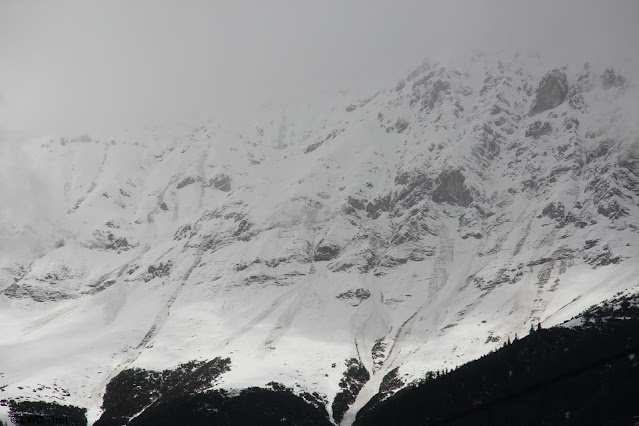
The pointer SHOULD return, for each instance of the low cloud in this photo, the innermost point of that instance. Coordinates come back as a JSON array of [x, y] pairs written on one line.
[[32, 199], [73, 66]]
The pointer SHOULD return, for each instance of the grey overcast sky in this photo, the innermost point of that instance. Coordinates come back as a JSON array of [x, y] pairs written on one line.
[[66, 66]]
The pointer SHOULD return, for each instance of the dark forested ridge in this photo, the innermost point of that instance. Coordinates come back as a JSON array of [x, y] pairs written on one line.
[[351, 383], [134, 390], [40, 412], [140, 397], [253, 406], [579, 375]]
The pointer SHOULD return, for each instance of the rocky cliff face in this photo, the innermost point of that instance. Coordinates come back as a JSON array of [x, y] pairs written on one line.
[[551, 92], [412, 230]]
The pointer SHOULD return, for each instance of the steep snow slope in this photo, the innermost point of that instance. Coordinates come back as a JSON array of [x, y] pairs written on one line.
[[418, 228]]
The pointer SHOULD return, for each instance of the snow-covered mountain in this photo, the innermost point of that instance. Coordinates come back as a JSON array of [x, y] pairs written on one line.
[[410, 231]]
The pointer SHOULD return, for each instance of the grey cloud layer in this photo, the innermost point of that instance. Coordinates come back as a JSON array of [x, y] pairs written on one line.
[[68, 66]]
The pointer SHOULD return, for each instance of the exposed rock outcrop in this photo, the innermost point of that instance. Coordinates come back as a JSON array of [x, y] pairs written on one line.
[[221, 182], [452, 190], [551, 92], [185, 182], [538, 129]]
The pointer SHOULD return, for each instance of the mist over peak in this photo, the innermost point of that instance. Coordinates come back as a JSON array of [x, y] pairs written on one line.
[[70, 67]]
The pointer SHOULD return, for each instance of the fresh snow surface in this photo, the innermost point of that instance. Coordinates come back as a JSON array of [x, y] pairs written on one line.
[[301, 238]]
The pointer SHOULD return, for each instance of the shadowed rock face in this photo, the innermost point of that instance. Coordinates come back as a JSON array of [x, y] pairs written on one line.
[[451, 189], [538, 129], [438, 88], [325, 252], [221, 182], [551, 92]]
